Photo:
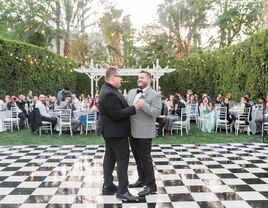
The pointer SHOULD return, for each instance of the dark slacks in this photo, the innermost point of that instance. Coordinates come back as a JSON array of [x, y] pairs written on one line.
[[53, 120], [116, 151], [141, 149]]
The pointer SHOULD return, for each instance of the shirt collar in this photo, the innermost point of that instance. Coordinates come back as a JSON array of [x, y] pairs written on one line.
[[144, 89]]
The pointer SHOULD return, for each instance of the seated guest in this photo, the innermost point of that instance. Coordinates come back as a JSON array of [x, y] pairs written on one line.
[[261, 102], [218, 100], [174, 112], [7, 101], [161, 120], [230, 117], [90, 108], [45, 116], [53, 104], [169, 103], [67, 104], [231, 100], [245, 104], [250, 102], [192, 100], [259, 122], [207, 115], [23, 112], [76, 103], [29, 98]]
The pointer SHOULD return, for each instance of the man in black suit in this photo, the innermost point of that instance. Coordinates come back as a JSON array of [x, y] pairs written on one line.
[[114, 125]]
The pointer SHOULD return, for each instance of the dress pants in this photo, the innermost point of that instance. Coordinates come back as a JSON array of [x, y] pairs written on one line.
[[116, 151], [53, 120], [141, 149]]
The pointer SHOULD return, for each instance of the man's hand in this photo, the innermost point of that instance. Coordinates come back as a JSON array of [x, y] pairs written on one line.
[[138, 104]]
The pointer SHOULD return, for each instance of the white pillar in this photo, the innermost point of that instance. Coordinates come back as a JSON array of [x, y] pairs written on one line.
[[92, 86], [157, 81]]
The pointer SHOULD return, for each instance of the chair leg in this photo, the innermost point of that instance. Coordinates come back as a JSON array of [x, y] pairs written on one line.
[[39, 131], [60, 131], [248, 131]]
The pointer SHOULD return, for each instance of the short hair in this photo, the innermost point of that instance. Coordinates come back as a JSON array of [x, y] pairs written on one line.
[[110, 72], [66, 88], [147, 73], [246, 98]]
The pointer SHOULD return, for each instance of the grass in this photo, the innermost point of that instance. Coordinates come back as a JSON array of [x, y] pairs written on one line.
[[26, 137]]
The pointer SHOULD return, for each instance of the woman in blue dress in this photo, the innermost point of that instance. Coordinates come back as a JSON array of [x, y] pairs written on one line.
[[207, 115]]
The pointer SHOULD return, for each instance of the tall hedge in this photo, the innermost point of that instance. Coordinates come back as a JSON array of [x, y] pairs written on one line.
[[24, 66], [238, 69]]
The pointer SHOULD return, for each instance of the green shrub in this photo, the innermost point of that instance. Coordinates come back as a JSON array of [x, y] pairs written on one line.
[[237, 69], [24, 66]]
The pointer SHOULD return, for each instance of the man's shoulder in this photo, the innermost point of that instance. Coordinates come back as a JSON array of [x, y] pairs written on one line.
[[153, 92]]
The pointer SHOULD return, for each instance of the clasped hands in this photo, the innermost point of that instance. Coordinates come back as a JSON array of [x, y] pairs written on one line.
[[138, 104]]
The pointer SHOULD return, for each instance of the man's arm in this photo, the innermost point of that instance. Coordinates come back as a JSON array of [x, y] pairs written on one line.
[[113, 107]]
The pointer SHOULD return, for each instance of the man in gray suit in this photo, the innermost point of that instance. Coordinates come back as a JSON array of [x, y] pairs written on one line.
[[143, 130]]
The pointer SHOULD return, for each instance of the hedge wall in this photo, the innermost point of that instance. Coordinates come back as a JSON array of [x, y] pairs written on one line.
[[237, 69], [24, 66]]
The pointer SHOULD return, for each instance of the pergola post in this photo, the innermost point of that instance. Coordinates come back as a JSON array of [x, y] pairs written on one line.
[[92, 86]]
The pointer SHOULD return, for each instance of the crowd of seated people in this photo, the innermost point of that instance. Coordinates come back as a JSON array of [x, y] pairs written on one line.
[[49, 104], [171, 108], [206, 109]]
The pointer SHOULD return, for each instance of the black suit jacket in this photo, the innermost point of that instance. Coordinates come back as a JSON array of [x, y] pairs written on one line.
[[114, 113], [35, 119]]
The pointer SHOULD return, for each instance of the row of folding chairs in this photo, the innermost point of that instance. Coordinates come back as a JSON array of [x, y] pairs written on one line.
[[65, 122], [183, 123], [13, 120], [241, 122]]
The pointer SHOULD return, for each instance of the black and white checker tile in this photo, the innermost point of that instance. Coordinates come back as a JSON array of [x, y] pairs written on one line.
[[209, 175]]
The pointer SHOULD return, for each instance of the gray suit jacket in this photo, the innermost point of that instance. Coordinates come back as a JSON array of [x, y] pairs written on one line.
[[143, 122]]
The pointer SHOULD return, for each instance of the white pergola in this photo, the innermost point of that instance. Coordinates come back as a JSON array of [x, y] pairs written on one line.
[[97, 72]]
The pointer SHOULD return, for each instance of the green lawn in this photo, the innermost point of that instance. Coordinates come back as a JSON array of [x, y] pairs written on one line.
[[26, 137]]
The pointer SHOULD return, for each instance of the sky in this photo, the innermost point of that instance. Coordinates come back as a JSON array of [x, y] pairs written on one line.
[[142, 11]]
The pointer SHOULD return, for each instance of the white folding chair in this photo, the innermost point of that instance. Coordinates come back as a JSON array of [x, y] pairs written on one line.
[[13, 120], [183, 123], [265, 127], [91, 122], [241, 121], [194, 112], [65, 121], [46, 126], [200, 118], [221, 119]]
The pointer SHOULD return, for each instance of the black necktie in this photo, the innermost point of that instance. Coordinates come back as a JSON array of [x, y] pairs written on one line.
[[139, 91]]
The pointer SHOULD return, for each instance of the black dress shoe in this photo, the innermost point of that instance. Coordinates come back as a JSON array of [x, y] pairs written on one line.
[[148, 190], [127, 197], [109, 190], [136, 184]]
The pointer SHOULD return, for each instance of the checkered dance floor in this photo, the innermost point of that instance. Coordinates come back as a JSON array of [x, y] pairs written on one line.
[[214, 175]]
